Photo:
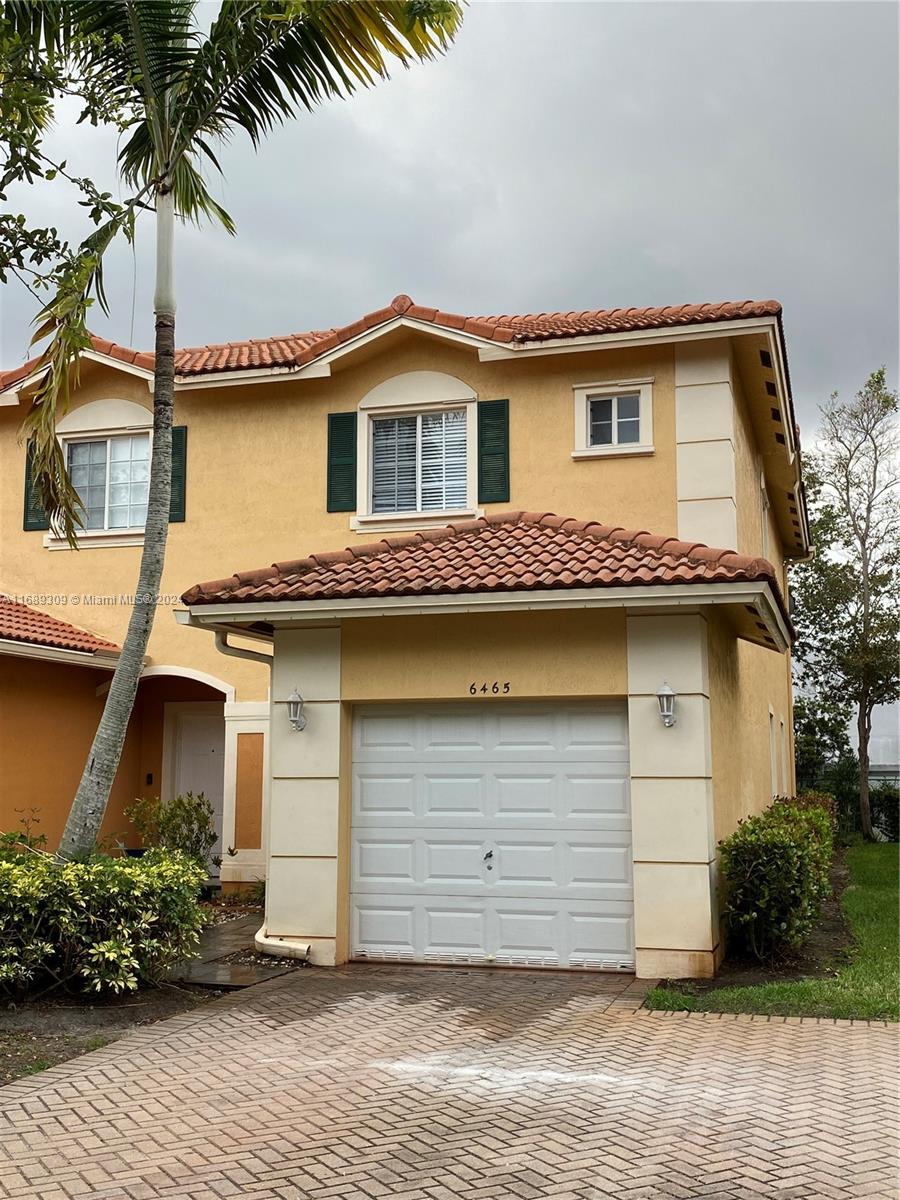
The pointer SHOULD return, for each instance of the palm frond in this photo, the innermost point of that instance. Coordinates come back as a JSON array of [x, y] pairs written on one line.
[[64, 321], [264, 60]]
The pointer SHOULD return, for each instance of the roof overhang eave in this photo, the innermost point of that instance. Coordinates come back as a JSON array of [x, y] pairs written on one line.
[[762, 618], [104, 660]]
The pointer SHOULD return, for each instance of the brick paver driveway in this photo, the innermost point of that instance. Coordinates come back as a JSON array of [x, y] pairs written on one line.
[[433, 1084]]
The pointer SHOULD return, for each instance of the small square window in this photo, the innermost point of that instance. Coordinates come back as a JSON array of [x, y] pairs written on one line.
[[615, 420], [611, 419]]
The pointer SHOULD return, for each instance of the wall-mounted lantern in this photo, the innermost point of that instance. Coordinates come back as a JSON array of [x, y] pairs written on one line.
[[296, 715], [666, 699]]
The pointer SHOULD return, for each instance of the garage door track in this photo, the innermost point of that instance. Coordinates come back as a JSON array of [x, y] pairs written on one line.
[[430, 1084]]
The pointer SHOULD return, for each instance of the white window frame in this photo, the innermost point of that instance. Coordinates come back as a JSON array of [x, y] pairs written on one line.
[[583, 393], [95, 422], [109, 438], [413, 395]]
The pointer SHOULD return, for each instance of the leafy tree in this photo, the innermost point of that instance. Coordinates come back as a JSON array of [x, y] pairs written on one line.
[[821, 739], [175, 92], [848, 593]]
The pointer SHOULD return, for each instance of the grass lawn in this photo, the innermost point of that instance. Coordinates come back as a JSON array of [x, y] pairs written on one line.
[[867, 986]]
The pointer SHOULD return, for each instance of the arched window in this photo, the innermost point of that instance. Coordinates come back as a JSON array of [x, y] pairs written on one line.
[[416, 453]]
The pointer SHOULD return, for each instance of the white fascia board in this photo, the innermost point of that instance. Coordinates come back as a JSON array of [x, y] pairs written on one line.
[[633, 337], [402, 322], [190, 383], [11, 395], [297, 612], [104, 660]]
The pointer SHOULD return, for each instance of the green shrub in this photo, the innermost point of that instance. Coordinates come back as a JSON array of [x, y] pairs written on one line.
[[184, 823], [776, 869], [812, 798], [884, 804], [104, 924]]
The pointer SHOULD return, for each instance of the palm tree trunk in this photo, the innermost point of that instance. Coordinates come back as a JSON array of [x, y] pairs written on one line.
[[88, 808]]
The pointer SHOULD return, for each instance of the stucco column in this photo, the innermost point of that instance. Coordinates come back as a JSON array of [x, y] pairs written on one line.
[[675, 910], [705, 444], [302, 884]]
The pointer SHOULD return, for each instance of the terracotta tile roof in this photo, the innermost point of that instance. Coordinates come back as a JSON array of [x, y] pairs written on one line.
[[19, 623], [298, 349], [512, 551]]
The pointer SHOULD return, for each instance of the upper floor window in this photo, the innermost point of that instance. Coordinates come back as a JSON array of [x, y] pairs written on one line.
[[419, 463], [613, 419], [417, 453], [111, 477]]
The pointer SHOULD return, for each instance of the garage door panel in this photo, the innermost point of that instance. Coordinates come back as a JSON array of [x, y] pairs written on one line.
[[524, 933], [523, 796], [503, 731], [452, 863], [385, 794], [377, 862], [492, 833]]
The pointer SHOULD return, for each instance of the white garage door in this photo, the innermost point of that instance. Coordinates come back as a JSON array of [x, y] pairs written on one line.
[[495, 833]]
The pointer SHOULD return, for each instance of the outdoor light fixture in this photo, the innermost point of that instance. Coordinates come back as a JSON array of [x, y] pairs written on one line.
[[295, 711], [666, 699]]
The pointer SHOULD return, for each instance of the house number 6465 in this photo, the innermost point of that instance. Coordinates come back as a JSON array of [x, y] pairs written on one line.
[[489, 689]]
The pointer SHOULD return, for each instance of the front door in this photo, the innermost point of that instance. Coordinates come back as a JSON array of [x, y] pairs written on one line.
[[198, 760]]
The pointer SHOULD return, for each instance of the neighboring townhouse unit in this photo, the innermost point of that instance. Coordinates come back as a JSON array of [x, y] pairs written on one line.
[[447, 725]]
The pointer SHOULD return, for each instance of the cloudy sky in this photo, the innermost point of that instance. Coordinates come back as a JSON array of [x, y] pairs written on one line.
[[562, 156]]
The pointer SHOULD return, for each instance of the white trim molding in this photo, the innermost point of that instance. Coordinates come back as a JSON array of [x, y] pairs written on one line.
[[757, 596], [212, 681], [247, 864], [407, 395], [584, 393], [104, 660]]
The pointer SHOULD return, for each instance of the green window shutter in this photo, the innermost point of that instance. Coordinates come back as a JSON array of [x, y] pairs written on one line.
[[342, 462], [179, 473], [493, 451], [35, 514]]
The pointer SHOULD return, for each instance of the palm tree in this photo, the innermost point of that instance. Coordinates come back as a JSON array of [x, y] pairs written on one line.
[[177, 91]]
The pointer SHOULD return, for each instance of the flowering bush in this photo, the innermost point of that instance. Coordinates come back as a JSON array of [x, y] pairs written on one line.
[[104, 924], [776, 869]]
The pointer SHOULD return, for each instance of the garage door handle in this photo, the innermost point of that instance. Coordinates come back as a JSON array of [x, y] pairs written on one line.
[[487, 859]]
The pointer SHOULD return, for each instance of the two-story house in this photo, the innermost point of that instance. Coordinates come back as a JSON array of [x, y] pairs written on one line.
[[497, 646]]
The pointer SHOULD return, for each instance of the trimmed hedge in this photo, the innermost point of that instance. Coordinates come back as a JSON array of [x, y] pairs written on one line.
[[776, 869], [103, 925]]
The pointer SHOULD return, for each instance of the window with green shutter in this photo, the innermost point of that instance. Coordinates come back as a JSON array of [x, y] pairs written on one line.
[[179, 473], [493, 451], [35, 516], [341, 487]]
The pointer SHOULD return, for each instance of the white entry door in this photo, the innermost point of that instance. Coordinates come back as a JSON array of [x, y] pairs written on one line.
[[195, 734], [492, 833]]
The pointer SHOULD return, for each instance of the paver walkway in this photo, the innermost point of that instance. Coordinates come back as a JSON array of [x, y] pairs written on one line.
[[432, 1084], [217, 941]]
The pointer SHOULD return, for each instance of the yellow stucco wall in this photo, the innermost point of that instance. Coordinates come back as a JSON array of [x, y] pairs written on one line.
[[745, 681], [581, 652], [48, 717], [256, 478]]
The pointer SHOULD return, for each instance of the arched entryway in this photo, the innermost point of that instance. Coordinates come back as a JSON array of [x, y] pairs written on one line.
[[179, 717]]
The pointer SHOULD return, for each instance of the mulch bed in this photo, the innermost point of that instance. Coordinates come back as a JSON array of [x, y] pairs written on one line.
[[250, 958], [820, 957], [40, 1034]]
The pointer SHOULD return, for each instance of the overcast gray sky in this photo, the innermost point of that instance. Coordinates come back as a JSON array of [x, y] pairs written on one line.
[[561, 156]]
